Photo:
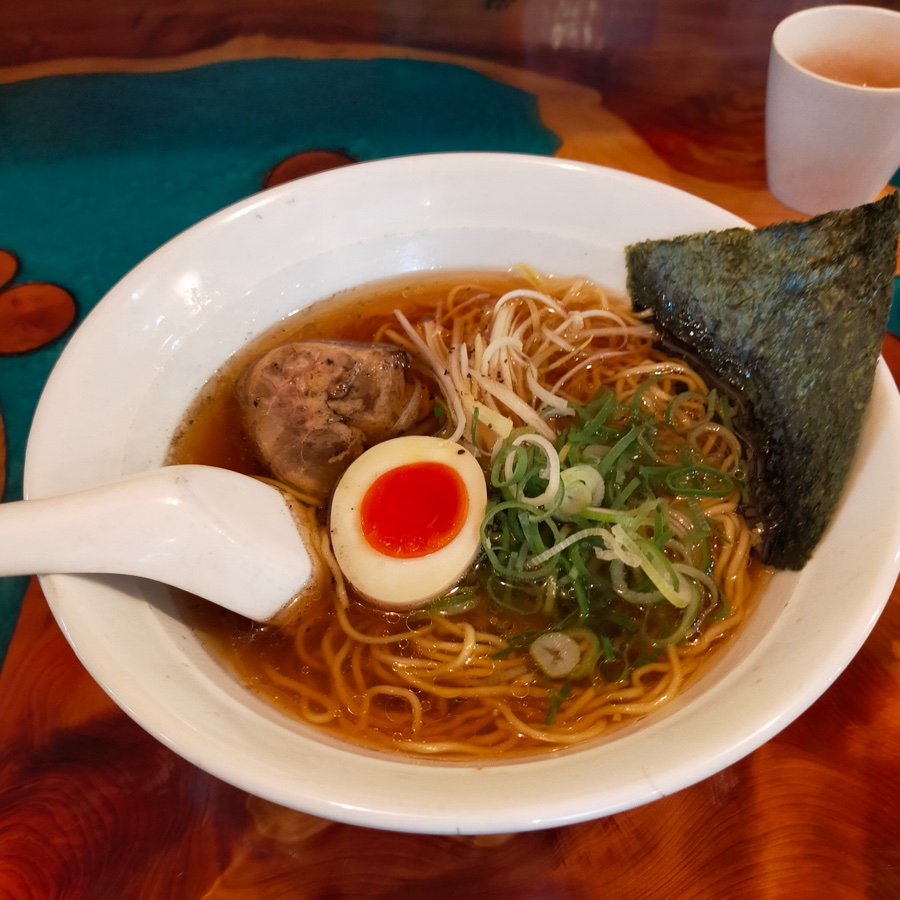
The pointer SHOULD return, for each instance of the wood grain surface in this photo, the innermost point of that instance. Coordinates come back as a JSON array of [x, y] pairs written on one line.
[[91, 806]]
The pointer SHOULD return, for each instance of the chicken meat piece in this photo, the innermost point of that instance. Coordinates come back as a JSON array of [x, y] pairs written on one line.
[[312, 407]]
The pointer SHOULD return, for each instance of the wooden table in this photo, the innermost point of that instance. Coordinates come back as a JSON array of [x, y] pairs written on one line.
[[91, 806]]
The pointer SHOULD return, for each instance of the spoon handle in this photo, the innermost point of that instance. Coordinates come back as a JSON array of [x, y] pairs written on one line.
[[223, 536]]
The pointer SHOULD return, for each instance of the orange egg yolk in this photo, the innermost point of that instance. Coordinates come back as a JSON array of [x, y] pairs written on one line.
[[414, 510]]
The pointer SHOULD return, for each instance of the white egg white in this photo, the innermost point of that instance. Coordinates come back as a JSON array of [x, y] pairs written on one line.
[[385, 580]]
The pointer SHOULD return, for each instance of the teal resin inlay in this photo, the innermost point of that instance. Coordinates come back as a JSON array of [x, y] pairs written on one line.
[[894, 320], [98, 170]]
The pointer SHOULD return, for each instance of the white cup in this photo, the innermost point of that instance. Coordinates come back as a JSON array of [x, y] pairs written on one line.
[[833, 107]]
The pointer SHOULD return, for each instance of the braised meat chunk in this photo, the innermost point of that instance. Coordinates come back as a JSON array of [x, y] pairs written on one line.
[[312, 407]]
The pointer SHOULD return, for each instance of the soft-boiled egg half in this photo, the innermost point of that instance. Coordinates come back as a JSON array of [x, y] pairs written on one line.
[[405, 519]]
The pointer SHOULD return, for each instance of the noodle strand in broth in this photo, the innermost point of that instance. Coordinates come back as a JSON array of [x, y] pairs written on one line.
[[562, 392]]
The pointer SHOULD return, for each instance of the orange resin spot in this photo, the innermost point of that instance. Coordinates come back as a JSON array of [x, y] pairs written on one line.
[[414, 510], [33, 314], [309, 162], [9, 266]]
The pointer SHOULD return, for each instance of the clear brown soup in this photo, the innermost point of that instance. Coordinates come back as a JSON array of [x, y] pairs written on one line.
[[311, 670]]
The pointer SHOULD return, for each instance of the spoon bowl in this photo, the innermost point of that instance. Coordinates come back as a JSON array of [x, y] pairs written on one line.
[[228, 538]]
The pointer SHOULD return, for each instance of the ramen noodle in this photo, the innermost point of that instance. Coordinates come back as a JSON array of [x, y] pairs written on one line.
[[615, 556]]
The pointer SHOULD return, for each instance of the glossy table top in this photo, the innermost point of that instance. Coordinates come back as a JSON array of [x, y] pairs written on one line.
[[90, 805]]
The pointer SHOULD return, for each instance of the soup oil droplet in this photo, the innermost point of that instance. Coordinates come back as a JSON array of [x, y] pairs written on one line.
[[356, 705], [519, 690]]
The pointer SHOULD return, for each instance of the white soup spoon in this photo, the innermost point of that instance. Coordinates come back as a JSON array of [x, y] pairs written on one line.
[[225, 537]]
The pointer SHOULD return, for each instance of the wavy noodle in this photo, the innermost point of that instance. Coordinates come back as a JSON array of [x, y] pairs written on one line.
[[449, 686]]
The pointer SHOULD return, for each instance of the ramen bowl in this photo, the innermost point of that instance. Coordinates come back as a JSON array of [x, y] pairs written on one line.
[[124, 382]]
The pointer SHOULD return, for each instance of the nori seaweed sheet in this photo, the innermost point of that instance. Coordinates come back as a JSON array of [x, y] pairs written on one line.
[[792, 316]]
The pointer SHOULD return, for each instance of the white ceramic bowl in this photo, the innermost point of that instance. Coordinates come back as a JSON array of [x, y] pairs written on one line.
[[129, 373]]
